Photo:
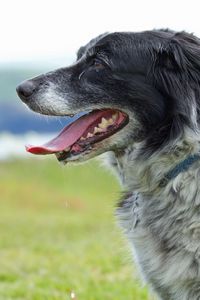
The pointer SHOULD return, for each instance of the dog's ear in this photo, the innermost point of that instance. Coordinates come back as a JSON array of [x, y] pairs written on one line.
[[180, 57], [188, 53], [176, 74]]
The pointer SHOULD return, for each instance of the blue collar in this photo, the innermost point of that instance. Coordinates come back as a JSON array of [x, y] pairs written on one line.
[[181, 167]]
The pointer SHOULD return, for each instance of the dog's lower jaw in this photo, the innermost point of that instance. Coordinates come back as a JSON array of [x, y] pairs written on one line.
[[163, 224]]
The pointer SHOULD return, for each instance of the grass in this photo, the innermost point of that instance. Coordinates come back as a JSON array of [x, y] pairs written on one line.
[[59, 235]]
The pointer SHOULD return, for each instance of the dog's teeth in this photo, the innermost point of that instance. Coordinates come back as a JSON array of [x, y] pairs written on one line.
[[104, 123], [110, 121], [82, 138], [103, 126], [67, 149], [89, 135], [96, 129], [114, 117]]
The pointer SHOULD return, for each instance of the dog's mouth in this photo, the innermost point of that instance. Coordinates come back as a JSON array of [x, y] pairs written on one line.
[[81, 136]]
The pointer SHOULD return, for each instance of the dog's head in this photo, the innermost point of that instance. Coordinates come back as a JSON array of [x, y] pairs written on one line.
[[132, 87]]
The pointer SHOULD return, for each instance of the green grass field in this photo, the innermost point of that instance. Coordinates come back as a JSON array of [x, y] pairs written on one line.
[[59, 235]]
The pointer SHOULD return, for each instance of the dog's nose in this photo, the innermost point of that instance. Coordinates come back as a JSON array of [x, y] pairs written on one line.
[[26, 89]]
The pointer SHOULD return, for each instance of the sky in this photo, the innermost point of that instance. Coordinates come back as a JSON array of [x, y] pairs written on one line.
[[44, 30]]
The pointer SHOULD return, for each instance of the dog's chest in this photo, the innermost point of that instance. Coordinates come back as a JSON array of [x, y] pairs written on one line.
[[165, 237]]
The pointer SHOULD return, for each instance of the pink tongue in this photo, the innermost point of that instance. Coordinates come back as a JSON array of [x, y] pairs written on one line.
[[68, 136]]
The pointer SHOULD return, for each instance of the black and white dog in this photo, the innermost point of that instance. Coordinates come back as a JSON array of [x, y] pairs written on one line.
[[141, 92]]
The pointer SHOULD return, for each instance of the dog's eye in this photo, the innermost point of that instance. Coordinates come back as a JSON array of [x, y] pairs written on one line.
[[95, 65], [98, 64]]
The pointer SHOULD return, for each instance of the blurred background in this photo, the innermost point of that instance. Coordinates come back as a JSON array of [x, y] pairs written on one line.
[[58, 235]]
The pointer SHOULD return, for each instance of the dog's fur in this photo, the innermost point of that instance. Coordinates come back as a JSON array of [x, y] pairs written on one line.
[[154, 77]]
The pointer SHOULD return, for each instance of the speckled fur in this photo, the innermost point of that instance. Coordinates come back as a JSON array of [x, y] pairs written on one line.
[[163, 224]]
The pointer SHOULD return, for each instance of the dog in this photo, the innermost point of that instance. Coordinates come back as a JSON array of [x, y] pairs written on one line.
[[140, 94]]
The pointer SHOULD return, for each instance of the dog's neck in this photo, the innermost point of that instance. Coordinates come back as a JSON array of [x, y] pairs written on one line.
[[146, 174]]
